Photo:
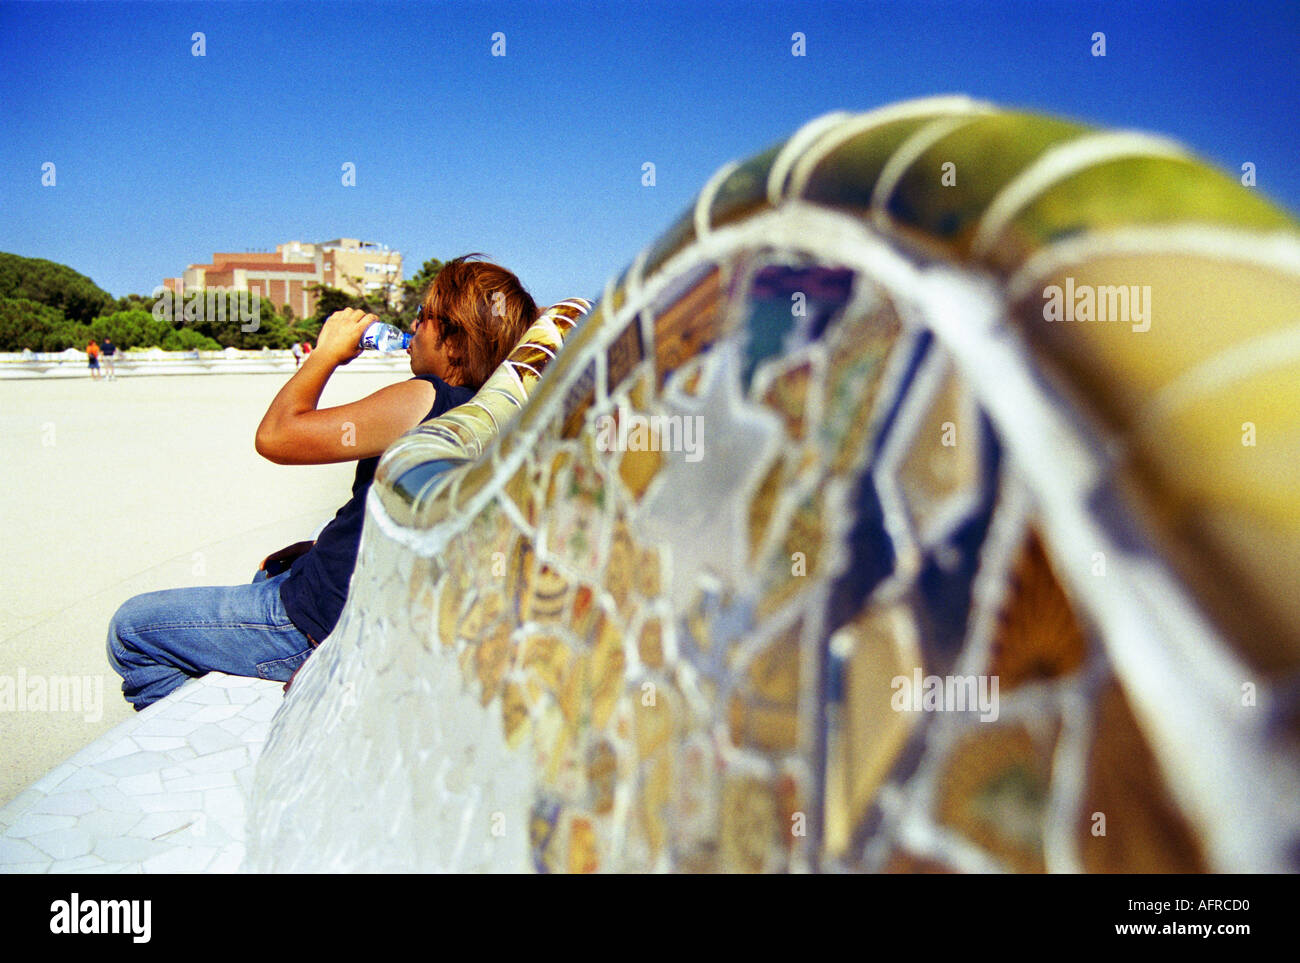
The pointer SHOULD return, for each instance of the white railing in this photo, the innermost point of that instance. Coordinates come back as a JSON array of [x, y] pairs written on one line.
[[72, 363]]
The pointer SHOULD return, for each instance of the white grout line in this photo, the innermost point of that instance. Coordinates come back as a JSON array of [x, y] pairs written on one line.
[[904, 157], [1275, 250], [1055, 165]]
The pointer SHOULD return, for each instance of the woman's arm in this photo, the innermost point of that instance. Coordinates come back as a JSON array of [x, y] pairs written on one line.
[[294, 432]]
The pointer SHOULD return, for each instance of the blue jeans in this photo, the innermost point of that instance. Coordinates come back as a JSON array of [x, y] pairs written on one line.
[[160, 640]]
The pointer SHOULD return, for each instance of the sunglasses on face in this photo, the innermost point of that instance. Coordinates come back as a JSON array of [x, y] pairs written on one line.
[[445, 324]]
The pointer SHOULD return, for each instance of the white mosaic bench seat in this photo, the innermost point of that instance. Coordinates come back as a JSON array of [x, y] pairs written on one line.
[[163, 792]]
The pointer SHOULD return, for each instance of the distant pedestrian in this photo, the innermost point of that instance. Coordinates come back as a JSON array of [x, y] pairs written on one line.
[[306, 348], [109, 350], [297, 353], [92, 356]]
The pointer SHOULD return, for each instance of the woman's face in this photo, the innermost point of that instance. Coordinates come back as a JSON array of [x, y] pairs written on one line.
[[427, 356]]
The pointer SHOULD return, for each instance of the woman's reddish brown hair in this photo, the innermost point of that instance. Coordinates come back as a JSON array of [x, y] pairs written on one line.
[[481, 310]]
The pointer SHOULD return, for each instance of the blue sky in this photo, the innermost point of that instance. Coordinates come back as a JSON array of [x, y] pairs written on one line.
[[535, 158]]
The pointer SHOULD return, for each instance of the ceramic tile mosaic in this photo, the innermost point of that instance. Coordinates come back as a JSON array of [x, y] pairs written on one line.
[[832, 539]]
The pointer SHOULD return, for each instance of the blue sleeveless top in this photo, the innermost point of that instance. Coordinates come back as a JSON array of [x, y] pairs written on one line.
[[317, 584]]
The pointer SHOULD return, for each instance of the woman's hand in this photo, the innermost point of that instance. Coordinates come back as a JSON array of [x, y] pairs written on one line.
[[339, 340], [277, 562], [294, 431]]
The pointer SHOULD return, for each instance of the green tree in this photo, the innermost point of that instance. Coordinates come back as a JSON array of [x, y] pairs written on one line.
[[306, 329], [187, 339], [131, 329], [331, 300], [221, 317], [26, 324], [272, 330], [135, 302], [66, 334], [56, 285]]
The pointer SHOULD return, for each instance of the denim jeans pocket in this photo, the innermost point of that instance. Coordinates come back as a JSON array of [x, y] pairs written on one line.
[[281, 670]]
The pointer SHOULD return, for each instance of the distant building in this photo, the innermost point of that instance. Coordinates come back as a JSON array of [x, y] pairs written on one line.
[[287, 276]]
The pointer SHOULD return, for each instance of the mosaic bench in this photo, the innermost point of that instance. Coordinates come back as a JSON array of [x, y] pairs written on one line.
[[983, 557], [927, 498]]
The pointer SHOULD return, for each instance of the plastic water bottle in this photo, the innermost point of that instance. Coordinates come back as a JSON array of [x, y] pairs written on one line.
[[385, 337]]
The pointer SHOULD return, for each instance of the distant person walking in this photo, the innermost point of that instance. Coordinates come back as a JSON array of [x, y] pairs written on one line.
[[109, 351], [297, 353], [92, 357]]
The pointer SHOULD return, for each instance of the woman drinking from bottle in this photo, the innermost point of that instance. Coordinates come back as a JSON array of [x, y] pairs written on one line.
[[471, 318]]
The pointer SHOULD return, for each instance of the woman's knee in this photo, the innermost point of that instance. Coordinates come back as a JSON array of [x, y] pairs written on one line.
[[126, 624], [117, 636]]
